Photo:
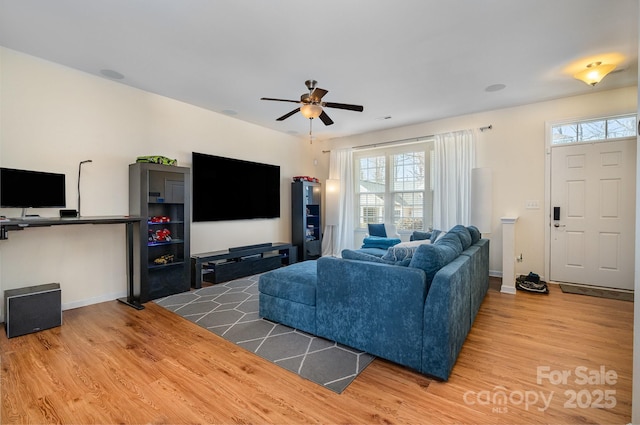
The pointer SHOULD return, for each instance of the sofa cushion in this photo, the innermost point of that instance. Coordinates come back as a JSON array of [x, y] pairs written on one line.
[[378, 242], [475, 234], [462, 233], [296, 282], [451, 240], [377, 230], [432, 257]]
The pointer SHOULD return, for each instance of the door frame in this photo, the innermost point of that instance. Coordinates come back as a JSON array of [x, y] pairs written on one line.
[[547, 180]]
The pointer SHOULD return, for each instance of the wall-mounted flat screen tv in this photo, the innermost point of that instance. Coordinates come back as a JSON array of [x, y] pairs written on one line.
[[31, 189], [233, 189]]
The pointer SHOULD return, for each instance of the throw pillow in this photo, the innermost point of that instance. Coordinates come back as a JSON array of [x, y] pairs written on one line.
[[412, 244], [431, 258], [377, 230], [396, 253]]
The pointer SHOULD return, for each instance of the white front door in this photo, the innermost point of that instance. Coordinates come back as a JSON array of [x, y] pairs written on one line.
[[593, 200]]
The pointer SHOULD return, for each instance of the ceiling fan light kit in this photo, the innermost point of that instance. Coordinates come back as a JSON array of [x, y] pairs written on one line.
[[594, 73], [311, 111]]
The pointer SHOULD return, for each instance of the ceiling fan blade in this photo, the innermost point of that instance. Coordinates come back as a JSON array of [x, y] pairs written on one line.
[[317, 94], [357, 108], [285, 116], [280, 100], [325, 118]]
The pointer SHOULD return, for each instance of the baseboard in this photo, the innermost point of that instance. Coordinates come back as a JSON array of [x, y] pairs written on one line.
[[508, 290], [94, 300]]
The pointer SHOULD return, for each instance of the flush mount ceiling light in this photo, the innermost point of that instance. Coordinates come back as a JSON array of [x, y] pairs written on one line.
[[594, 73], [495, 87], [110, 73]]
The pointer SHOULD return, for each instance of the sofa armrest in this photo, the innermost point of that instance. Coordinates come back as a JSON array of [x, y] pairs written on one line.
[[447, 317], [377, 308]]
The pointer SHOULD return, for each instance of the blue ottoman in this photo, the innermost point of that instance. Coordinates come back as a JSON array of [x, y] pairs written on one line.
[[288, 295]]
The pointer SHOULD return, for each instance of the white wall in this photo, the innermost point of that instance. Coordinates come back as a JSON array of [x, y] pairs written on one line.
[[515, 150], [52, 117]]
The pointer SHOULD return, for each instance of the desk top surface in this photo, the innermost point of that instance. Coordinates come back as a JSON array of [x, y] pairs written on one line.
[[58, 221]]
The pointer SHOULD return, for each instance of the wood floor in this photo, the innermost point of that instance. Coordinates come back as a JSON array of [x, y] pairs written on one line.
[[109, 363]]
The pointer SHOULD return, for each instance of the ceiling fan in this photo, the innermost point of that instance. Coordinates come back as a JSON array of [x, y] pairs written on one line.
[[312, 104]]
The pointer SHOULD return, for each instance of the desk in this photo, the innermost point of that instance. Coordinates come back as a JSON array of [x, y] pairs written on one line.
[[235, 256], [15, 224]]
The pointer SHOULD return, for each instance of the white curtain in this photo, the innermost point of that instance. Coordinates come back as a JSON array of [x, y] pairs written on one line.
[[454, 159], [340, 236]]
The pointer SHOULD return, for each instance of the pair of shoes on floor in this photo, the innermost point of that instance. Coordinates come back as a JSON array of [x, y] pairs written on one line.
[[531, 283]]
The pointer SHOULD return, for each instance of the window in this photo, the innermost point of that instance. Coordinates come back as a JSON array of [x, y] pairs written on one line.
[[393, 186], [594, 130]]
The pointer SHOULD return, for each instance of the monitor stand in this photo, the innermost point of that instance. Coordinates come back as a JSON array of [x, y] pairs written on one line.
[[26, 216]]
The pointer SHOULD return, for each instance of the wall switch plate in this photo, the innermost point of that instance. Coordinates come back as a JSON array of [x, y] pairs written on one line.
[[532, 205]]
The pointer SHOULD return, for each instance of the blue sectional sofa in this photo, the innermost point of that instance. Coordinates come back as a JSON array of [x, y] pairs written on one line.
[[415, 311]]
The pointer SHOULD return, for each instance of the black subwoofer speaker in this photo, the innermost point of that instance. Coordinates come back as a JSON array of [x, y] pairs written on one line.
[[32, 309]]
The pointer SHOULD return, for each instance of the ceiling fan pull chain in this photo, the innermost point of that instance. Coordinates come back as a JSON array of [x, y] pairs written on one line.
[[310, 136]]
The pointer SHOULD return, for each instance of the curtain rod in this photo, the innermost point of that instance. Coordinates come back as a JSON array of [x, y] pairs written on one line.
[[407, 141]]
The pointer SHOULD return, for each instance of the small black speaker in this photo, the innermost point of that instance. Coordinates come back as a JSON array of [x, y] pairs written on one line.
[[68, 213], [32, 309]]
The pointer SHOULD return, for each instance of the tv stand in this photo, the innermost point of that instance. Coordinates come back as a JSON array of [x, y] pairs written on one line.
[[237, 262]]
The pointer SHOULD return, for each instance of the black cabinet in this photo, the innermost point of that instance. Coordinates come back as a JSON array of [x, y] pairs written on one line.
[[161, 195], [306, 232], [233, 263]]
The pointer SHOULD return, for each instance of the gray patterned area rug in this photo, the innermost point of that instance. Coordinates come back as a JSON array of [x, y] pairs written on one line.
[[230, 310]]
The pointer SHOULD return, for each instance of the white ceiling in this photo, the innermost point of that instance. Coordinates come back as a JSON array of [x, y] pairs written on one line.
[[411, 60]]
